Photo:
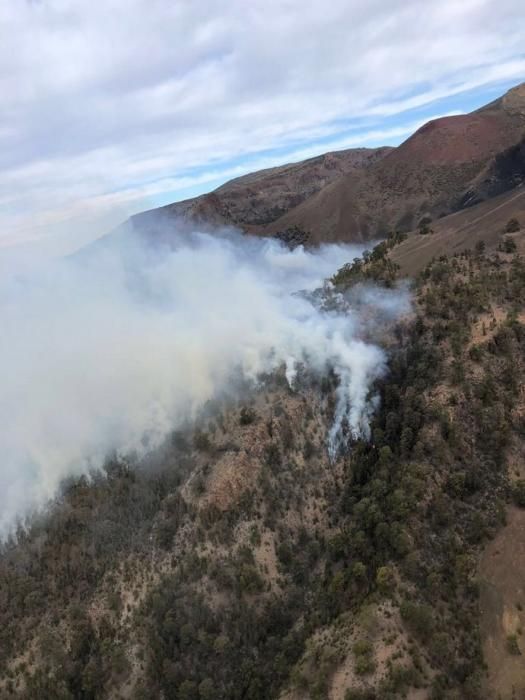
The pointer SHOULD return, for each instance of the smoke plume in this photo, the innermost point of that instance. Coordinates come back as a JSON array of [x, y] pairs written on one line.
[[116, 347]]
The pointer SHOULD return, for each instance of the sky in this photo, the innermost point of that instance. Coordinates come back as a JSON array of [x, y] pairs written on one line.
[[116, 106]]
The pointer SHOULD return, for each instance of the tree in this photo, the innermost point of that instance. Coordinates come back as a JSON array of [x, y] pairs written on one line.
[[187, 691], [512, 645], [385, 579], [207, 689], [480, 247], [418, 617], [201, 441], [363, 657], [518, 493], [246, 416], [424, 228], [512, 226], [508, 245]]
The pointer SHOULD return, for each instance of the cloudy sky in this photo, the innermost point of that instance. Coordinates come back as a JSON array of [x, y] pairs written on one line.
[[114, 106]]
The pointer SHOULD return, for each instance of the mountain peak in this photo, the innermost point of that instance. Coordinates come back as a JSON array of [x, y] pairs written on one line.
[[515, 98], [513, 101]]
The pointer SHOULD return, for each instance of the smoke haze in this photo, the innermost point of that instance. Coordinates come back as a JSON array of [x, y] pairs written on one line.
[[116, 348]]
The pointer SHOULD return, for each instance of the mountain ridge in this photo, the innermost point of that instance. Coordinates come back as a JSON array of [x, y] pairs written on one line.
[[361, 194]]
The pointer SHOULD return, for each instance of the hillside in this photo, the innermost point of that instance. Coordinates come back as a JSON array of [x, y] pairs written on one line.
[[361, 194], [254, 200], [483, 222], [239, 562]]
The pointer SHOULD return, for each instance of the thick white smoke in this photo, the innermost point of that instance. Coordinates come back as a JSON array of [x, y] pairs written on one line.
[[113, 349]]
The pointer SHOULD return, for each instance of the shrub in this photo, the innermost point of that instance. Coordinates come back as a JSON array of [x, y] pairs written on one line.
[[424, 228], [272, 456], [364, 665], [362, 647], [360, 694], [508, 245], [207, 689], [518, 493], [512, 645], [480, 247], [476, 352], [364, 660], [512, 226], [385, 579], [249, 579], [418, 618], [246, 416], [201, 441]]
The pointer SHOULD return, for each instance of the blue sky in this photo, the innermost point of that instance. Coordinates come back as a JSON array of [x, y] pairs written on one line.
[[110, 108]]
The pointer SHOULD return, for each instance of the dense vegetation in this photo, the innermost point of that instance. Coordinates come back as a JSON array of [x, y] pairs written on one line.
[[373, 266], [152, 581]]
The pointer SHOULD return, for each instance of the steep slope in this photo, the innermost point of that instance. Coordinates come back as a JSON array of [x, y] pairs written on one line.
[[361, 194], [429, 175], [482, 223], [504, 172], [259, 198], [239, 563]]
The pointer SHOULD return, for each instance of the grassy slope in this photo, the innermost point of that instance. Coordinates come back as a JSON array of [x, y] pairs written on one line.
[[452, 234]]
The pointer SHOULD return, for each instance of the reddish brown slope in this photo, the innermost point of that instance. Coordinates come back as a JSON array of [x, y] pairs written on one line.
[[451, 140], [359, 194], [429, 174], [254, 200]]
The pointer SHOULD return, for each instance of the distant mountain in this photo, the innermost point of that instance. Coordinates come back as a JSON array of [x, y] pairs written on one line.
[[359, 194], [255, 200]]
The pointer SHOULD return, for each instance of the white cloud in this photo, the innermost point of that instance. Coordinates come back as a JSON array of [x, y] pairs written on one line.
[[115, 100]]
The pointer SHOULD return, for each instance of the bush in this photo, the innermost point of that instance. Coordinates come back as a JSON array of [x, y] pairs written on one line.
[[385, 579], [479, 248], [249, 579], [425, 229], [364, 665], [207, 690], [246, 416], [512, 226], [201, 441], [518, 493], [512, 645], [362, 648], [418, 618], [476, 353], [360, 694], [508, 245], [272, 456], [364, 660]]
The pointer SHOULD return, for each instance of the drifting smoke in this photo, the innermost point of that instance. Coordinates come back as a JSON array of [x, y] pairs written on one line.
[[115, 348]]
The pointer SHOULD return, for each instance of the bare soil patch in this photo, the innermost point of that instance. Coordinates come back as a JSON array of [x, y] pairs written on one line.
[[502, 604]]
